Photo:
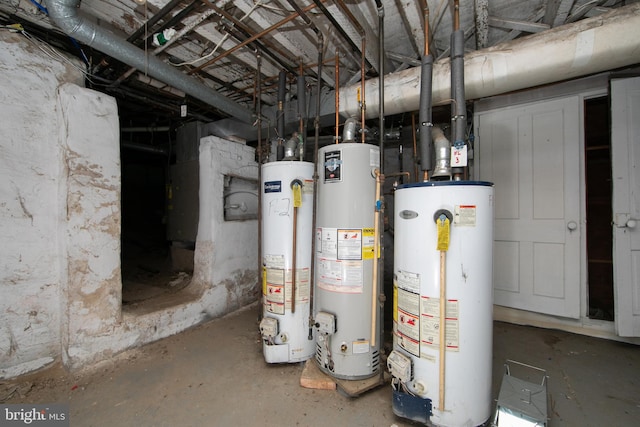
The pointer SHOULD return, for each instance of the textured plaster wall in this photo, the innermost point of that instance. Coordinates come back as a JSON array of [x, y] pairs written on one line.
[[60, 278], [226, 257], [31, 163]]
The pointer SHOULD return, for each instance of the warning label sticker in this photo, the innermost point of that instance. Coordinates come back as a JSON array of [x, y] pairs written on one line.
[[349, 244], [302, 287], [408, 281], [274, 297], [368, 243], [327, 242], [464, 215], [340, 275], [407, 317], [430, 323]]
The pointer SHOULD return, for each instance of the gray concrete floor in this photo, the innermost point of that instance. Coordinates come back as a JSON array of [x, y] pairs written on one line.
[[215, 375]]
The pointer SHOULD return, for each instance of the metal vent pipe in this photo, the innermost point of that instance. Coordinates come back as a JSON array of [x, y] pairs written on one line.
[[64, 14]]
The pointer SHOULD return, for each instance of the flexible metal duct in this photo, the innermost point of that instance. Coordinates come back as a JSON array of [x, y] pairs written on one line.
[[589, 46], [64, 14]]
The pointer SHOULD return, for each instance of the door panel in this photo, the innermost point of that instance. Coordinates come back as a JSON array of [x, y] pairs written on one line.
[[531, 154], [625, 155]]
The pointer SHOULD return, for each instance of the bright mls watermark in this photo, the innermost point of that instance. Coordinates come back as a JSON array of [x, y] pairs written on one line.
[[53, 415]]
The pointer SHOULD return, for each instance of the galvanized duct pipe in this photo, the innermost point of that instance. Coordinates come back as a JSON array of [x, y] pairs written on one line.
[[282, 83], [363, 60], [425, 117], [589, 46], [64, 14]]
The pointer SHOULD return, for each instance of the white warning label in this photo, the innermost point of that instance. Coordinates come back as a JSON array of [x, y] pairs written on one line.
[[464, 215], [350, 244]]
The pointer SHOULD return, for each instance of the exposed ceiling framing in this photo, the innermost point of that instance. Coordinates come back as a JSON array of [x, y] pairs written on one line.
[[216, 42]]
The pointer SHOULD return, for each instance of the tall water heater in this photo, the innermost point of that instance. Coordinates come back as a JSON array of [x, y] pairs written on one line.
[[348, 328], [287, 213], [441, 362]]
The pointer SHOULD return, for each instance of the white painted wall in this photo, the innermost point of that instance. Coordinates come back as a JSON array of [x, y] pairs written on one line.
[[60, 279], [31, 163]]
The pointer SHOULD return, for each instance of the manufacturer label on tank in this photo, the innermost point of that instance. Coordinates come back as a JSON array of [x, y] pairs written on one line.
[[464, 215], [333, 166], [273, 186]]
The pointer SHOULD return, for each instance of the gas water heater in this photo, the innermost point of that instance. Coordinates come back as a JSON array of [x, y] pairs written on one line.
[[442, 303], [287, 212], [346, 293]]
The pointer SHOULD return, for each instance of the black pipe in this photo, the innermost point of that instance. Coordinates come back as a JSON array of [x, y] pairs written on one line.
[[425, 118], [457, 93], [259, 124], [282, 83], [315, 185]]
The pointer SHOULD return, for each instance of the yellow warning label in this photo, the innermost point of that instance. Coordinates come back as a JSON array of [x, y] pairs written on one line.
[[368, 243], [395, 302], [264, 280]]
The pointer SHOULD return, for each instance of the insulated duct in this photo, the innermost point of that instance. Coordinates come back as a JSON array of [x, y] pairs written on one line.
[[459, 108], [425, 113], [589, 46], [64, 14]]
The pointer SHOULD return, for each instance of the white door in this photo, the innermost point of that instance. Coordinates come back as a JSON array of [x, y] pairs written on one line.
[[531, 153], [625, 154]]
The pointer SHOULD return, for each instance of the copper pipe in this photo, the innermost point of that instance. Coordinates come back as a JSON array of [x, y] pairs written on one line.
[[456, 15], [267, 48], [425, 11], [363, 105], [376, 253], [294, 258], [337, 72], [301, 126], [252, 38]]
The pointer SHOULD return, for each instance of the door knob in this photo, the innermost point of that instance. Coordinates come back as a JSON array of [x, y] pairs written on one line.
[[631, 223], [572, 225]]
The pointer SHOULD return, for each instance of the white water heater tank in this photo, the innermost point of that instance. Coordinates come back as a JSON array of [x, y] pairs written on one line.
[[419, 269], [285, 327]]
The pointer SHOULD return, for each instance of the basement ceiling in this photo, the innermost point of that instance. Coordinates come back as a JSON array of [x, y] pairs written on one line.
[[218, 43]]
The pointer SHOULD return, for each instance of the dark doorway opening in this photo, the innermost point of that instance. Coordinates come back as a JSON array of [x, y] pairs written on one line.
[[598, 200], [145, 253]]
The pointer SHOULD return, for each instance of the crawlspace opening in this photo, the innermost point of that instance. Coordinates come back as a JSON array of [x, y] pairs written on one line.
[[149, 271]]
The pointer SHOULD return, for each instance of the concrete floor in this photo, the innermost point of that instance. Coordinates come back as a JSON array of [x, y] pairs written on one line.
[[215, 375]]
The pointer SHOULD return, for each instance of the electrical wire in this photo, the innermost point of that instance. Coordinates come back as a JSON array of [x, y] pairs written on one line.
[[47, 49], [221, 42]]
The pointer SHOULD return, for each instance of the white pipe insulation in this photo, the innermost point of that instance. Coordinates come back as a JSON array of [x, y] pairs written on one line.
[[593, 45]]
